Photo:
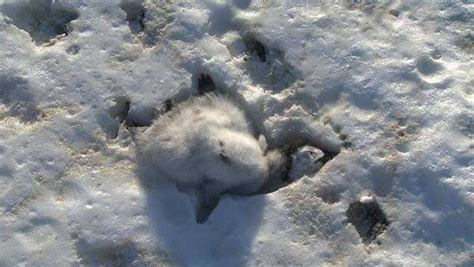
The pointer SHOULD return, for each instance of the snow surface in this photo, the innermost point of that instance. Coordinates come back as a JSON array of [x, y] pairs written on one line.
[[393, 79]]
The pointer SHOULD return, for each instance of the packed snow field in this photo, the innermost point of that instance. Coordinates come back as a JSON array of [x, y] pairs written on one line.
[[236, 133]]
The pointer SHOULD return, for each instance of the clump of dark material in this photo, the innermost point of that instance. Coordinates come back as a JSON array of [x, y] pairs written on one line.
[[394, 12], [205, 84], [135, 14], [167, 105], [205, 207], [368, 219]]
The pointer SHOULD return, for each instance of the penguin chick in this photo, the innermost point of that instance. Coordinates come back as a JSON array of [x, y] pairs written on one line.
[[206, 145]]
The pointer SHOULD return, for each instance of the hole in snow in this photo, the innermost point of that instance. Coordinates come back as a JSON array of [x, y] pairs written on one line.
[[205, 84], [329, 195], [135, 14], [368, 218], [256, 47], [119, 108], [73, 49], [427, 66], [267, 66], [42, 19], [15, 94]]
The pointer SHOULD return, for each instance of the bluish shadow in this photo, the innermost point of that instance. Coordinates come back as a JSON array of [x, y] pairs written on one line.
[[225, 239]]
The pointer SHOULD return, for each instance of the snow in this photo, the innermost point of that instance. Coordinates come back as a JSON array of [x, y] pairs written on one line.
[[306, 160], [383, 88], [366, 199]]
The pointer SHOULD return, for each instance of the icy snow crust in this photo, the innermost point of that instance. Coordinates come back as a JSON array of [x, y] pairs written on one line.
[[393, 79]]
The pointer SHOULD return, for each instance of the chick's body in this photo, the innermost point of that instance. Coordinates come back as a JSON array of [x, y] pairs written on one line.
[[206, 142]]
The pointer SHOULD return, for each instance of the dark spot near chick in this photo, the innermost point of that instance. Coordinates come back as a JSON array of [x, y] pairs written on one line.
[[205, 84], [225, 158]]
